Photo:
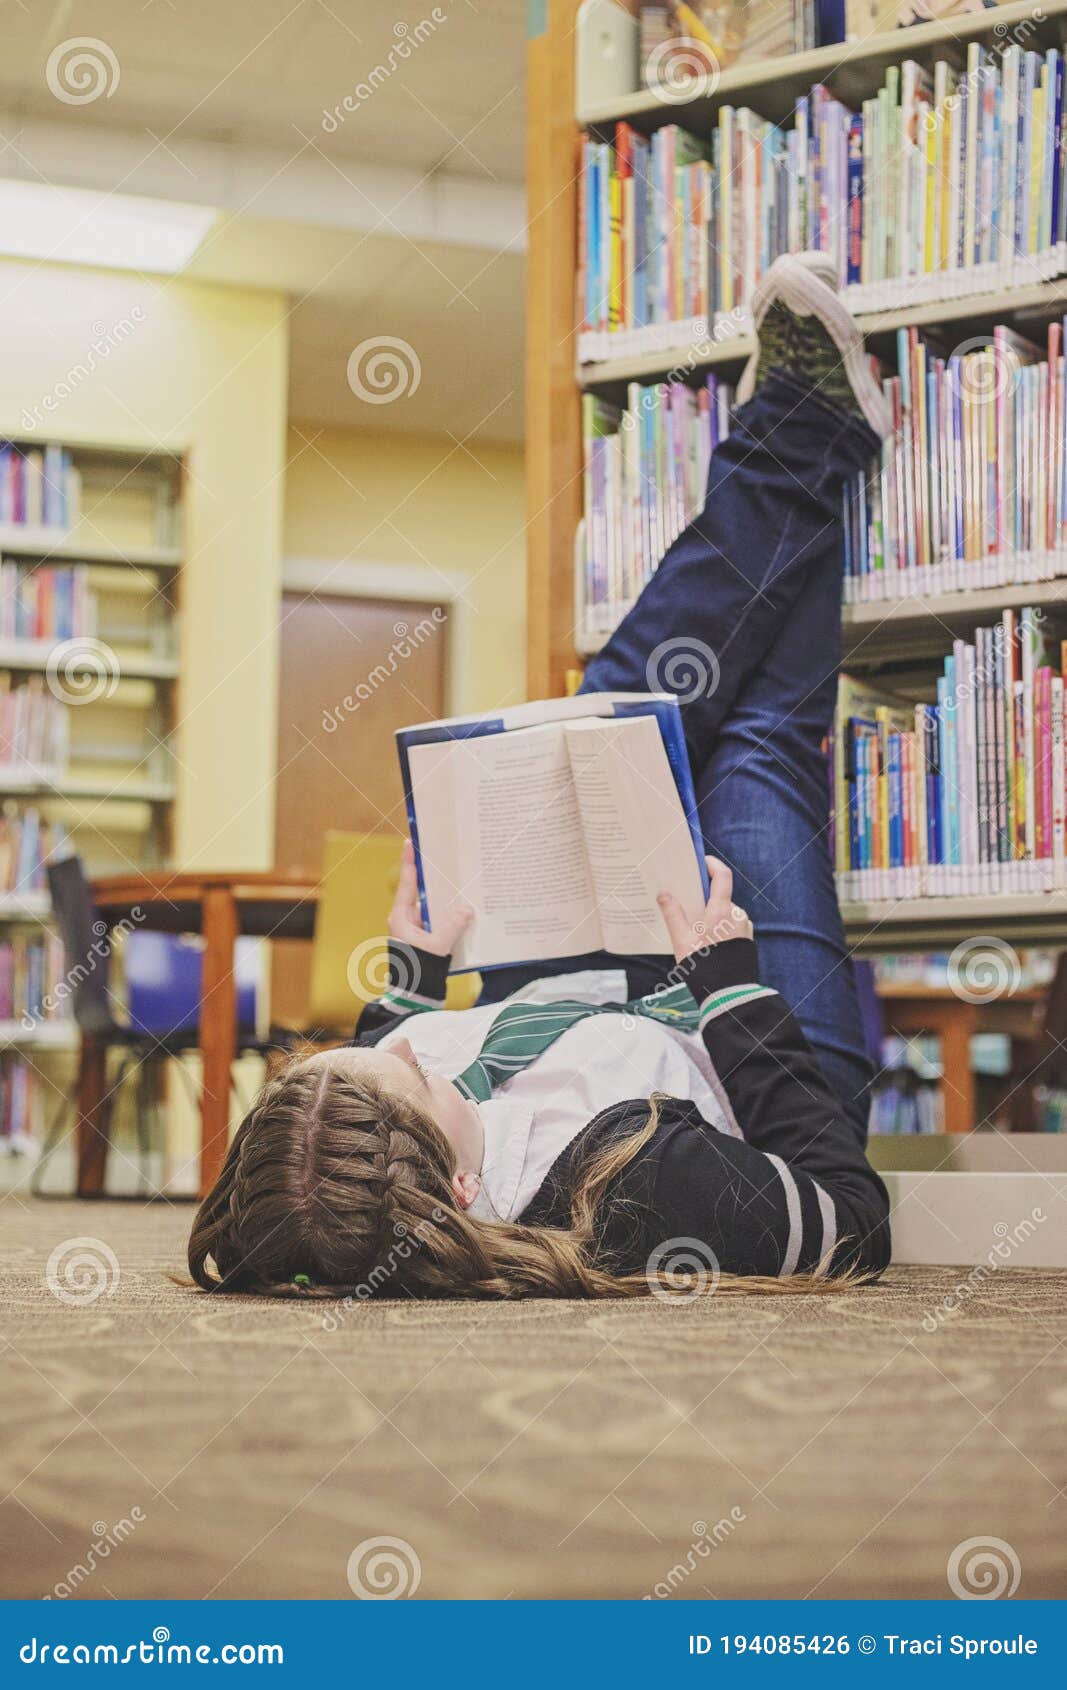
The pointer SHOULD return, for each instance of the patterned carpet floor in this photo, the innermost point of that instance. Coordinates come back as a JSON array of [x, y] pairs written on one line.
[[163, 1444]]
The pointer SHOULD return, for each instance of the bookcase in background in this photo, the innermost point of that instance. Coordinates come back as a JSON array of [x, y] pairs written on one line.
[[90, 553], [902, 641]]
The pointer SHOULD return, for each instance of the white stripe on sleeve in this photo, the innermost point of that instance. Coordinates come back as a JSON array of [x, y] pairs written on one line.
[[796, 1224]]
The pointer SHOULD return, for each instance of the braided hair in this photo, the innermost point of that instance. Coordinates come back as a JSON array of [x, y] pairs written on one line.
[[334, 1188]]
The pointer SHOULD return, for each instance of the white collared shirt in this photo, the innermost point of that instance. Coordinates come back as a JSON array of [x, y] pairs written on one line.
[[601, 1061]]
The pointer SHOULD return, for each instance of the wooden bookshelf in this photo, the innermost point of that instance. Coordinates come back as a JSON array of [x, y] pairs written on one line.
[[55, 545], [54, 1036], [924, 924], [853, 70], [116, 795], [24, 907], [124, 789], [893, 632], [32, 657], [1039, 300]]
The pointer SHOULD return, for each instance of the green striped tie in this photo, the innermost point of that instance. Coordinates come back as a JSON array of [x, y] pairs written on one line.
[[523, 1031]]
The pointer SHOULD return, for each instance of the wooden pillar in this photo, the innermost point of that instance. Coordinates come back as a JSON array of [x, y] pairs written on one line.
[[959, 1089], [218, 1030], [553, 403], [94, 1117]]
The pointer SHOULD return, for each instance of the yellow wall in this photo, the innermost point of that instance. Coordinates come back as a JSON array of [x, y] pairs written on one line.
[[394, 499], [204, 370]]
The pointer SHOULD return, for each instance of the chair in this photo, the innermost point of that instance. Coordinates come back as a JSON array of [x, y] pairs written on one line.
[[348, 954], [163, 975], [1039, 1059]]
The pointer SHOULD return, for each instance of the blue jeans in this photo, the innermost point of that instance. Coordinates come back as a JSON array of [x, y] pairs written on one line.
[[744, 611]]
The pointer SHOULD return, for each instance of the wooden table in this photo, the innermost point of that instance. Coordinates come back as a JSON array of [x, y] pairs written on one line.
[[913, 1009], [220, 905]]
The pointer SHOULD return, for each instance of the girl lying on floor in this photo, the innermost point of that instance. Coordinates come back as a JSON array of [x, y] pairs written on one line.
[[605, 1126]]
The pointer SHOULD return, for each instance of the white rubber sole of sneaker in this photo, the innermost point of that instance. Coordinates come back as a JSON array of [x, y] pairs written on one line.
[[801, 282]]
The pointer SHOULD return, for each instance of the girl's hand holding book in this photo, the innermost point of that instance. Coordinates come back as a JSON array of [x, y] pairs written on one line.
[[722, 918], [405, 922]]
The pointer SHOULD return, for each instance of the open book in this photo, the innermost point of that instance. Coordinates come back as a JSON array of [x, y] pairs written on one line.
[[558, 822]]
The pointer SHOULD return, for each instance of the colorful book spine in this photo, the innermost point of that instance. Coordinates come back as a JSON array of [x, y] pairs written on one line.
[[965, 796], [973, 480], [935, 188], [645, 474]]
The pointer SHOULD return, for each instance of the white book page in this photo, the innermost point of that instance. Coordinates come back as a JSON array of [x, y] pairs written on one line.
[[498, 825], [637, 838]]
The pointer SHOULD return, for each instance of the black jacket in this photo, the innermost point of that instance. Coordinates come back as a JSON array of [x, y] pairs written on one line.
[[796, 1189]]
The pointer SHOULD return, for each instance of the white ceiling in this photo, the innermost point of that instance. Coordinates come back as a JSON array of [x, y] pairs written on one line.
[[262, 71], [400, 218]]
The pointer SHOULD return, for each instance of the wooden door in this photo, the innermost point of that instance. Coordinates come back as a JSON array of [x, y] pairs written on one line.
[[352, 671]]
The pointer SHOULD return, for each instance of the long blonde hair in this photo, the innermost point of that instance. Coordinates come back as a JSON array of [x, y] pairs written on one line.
[[333, 1188]]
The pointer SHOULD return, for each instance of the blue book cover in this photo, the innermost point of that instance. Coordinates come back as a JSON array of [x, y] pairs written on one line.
[[896, 807], [500, 824], [829, 22], [640, 276]]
